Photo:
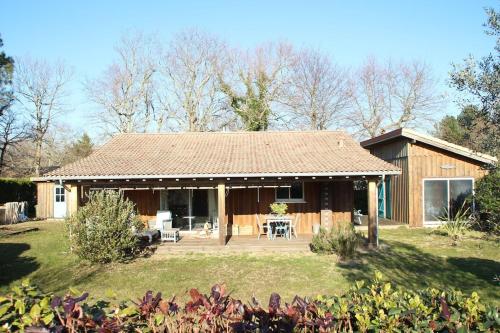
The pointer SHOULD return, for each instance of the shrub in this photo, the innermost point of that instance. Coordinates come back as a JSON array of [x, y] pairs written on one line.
[[342, 240], [487, 199], [18, 189], [456, 227], [103, 230], [365, 307]]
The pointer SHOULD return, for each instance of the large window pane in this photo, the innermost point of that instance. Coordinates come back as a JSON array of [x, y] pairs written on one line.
[[200, 203], [460, 190], [283, 193], [296, 191], [435, 199]]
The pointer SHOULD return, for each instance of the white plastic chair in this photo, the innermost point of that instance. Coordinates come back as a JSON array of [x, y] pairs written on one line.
[[163, 220]]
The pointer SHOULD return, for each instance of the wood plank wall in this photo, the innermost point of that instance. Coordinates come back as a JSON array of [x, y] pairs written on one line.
[[427, 162], [45, 200], [147, 202], [396, 152], [242, 205]]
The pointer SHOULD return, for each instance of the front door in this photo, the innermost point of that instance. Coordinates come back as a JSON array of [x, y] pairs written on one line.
[[59, 202]]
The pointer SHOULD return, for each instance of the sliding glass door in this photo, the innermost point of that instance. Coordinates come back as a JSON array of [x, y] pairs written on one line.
[[191, 208], [444, 197]]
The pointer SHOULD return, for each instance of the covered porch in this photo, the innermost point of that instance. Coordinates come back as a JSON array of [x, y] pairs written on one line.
[[232, 206]]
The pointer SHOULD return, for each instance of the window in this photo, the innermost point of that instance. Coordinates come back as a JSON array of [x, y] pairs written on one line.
[[444, 197], [294, 192], [59, 194]]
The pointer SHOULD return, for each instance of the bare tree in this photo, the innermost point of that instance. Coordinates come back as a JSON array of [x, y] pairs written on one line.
[[188, 90], [41, 88], [386, 97], [254, 82], [124, 91], [318, 93], [12, 132]]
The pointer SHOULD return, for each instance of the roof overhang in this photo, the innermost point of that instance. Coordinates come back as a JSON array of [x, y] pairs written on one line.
[[217, 176], [431, 141]]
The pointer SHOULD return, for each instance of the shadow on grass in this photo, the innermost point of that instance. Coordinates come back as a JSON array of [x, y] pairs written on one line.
[[409, 267], [13, 266]]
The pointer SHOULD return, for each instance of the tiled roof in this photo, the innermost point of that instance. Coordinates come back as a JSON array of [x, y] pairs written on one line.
[[224, 154]]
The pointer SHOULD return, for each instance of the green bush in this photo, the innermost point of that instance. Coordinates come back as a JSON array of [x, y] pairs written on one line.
[[487, 200], [18, 189], [342, 239], [366, 307], [103, 230]]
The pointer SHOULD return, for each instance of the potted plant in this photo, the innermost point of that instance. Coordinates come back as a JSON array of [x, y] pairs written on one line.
[[278, 208]]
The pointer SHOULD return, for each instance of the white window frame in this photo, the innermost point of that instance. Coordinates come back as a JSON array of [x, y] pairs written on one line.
[[437, 223], [290, 200]]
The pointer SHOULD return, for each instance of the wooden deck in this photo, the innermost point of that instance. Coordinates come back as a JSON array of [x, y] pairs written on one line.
[[237, 244]]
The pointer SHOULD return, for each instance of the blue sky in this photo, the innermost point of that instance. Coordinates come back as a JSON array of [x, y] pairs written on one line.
[[83, 33]]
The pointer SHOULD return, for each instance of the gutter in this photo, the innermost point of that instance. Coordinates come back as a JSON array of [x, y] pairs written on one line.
[[213, 176]]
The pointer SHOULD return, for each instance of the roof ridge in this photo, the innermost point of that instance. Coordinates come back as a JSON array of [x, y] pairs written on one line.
[[231, 132]]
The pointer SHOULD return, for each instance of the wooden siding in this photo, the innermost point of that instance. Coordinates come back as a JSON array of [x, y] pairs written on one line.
[[427, 162], [45, 200], [243, 204], [396, 152], [147, 202]]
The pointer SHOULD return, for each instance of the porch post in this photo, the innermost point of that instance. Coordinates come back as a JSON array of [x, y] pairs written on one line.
[[73, 200], [372, 213], [221, 209]]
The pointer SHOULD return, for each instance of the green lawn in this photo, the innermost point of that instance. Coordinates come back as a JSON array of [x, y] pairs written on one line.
[[411, 258]]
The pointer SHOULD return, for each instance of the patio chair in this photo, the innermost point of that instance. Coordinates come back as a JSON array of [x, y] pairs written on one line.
[[263, 229], [164, 225], [161, 217], [295, 223], [281, 229]]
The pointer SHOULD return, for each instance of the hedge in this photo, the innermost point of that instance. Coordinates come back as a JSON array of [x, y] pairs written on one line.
[[375, 307], [18, 189]]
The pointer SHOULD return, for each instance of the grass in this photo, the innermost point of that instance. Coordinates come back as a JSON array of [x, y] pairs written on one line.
[[411, 258]]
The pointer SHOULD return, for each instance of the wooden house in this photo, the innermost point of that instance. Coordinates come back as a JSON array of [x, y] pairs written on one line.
[[436, 176], [231, 177]]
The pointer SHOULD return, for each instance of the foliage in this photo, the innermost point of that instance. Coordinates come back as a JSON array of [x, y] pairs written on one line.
[[6, 71], [470, 129], [278, 208], [455, 227], [341, 239], [18, 189], [378, 306], [481, 81], [450, 129], [103, 230], [487, 199], [80, 148]]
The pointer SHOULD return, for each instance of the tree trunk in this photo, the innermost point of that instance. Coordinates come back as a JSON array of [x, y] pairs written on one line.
[[38, 156], [2, 156]]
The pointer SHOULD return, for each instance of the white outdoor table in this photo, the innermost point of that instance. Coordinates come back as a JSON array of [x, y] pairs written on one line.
[[190, 219]]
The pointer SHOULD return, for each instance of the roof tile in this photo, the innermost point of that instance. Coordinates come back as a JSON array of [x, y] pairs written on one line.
[[226, 153]]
